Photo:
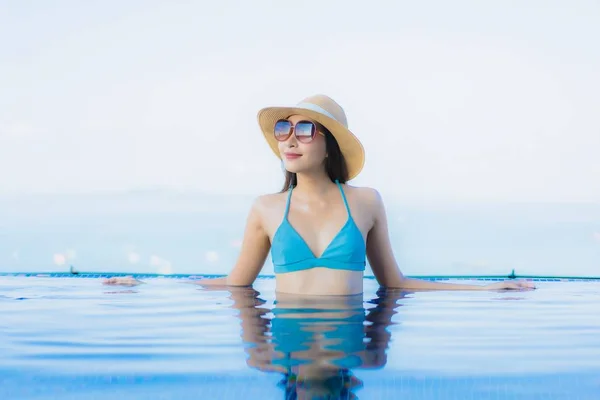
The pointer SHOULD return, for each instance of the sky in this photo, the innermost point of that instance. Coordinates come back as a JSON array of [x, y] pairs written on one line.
[[462, 100]]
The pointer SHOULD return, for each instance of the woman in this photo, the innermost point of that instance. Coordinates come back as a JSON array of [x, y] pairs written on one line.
[[319, 230]]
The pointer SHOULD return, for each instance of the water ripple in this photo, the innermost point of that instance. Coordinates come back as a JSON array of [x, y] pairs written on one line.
[[169, 328]]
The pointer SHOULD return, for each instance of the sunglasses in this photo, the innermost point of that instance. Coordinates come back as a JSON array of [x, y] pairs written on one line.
[[305, 131]]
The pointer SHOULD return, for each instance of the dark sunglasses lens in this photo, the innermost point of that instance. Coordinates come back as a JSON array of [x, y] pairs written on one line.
[[305, 131], [282, 130]]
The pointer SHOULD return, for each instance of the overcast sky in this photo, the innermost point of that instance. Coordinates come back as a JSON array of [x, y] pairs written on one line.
[[462, 100]]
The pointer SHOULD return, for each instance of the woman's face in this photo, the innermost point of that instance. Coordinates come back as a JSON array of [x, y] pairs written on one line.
[[302, 157]]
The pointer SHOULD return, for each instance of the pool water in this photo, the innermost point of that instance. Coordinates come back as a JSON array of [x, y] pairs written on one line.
[[73, 338]]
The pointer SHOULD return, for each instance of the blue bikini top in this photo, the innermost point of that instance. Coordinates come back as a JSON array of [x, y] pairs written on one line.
[[290, 252]]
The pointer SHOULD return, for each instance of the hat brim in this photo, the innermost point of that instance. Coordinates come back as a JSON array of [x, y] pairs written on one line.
[[351, 148]]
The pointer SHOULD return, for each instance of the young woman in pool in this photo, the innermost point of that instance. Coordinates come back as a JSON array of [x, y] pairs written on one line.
[[320, 231]]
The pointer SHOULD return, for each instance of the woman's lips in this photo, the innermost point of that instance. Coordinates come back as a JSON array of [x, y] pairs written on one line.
[[292, 156]]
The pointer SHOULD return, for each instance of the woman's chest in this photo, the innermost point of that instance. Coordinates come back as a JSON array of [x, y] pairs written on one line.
[[318, 226]]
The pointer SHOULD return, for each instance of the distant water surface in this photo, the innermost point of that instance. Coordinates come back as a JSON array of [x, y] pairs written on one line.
[[168, 232]]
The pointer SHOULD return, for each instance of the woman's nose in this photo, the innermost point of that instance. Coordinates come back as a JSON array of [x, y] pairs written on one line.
[[292, 139]]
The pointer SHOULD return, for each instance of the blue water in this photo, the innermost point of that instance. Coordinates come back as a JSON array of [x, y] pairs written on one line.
[[73, 338]]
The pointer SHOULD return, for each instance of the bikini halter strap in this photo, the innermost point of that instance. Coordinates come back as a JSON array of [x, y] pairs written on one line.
[[287, 204], [343, 196], [337, 182]]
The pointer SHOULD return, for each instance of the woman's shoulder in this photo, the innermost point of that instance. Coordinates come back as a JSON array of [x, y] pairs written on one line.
[[363, 196], [266, 209], [265, 202]]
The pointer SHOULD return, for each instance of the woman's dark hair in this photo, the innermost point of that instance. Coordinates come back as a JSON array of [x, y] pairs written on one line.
[[335, 163]]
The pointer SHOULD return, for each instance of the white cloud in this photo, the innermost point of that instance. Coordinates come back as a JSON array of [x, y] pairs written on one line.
[[71, 254], [162, 266], [65, 256], [211, 256], [59, 259], [133, 257]]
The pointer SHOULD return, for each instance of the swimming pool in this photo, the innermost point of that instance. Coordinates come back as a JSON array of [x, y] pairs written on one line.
[[73, 338]]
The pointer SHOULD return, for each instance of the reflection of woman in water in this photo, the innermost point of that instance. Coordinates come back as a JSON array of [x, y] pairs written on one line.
[[320, 230], [316, 342]]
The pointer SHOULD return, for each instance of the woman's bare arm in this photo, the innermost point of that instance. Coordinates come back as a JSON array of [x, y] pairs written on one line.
[[386, 270]]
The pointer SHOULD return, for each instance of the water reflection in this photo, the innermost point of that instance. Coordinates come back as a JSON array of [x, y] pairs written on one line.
[[317, 342]]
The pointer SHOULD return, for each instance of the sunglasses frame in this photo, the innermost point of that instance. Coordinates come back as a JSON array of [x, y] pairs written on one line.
[[292, 131]]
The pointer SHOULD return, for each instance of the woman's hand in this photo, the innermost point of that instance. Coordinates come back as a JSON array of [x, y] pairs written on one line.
[[511, 285], [122, 281]]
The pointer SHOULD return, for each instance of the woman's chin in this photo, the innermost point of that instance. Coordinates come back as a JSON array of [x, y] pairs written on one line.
[[293, 167]]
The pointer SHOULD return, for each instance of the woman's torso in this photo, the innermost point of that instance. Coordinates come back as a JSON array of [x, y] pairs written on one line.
[[337, 223]]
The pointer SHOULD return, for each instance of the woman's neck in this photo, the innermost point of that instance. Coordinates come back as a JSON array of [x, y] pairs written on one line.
[[313, 184]]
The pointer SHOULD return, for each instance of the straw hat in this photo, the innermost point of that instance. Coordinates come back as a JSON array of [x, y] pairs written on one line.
[[328, 113]]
